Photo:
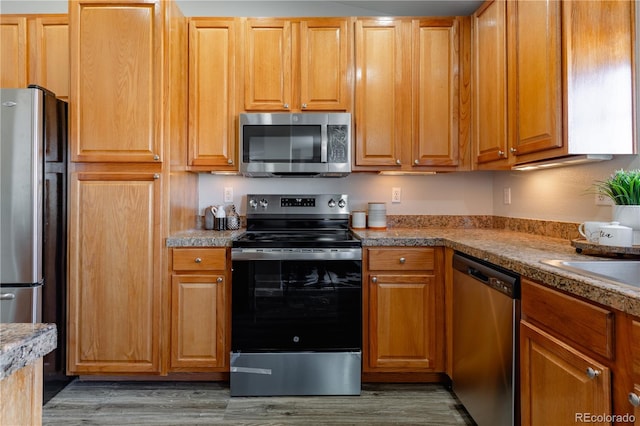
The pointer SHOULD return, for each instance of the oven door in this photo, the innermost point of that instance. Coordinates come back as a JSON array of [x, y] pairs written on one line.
[[296, 300]]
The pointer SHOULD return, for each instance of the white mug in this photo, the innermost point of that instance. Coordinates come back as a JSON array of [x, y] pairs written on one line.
[[616, 235], [591, 230]]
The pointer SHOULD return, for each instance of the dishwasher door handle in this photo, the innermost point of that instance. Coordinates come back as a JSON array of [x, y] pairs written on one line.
[[477, 275]]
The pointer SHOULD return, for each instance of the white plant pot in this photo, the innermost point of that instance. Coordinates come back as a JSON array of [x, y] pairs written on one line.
[[629, 216]]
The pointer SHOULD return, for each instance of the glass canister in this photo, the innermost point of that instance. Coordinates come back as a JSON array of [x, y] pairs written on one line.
[[233, 219]]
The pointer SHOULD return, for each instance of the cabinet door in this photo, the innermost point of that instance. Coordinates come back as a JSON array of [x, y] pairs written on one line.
[[325, 77], [489, 130], [49, 60], [435, 92], [116, 69], [267, 65], [115, 273], [198, 307], [634, 394], [212, 94], [556, 387], [382, 94], [13, 51], [402, 322], [534, 75]]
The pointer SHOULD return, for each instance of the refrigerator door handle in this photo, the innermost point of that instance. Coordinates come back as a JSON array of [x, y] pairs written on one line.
[[7, 296]]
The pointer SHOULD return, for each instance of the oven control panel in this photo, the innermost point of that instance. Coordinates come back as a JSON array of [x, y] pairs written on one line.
[[273, 204]]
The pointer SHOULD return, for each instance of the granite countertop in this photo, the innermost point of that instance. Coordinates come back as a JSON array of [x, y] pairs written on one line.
[[22, 344], [517, 251]]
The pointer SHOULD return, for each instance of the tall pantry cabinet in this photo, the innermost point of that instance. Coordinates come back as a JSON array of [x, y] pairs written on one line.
[[127, 103]]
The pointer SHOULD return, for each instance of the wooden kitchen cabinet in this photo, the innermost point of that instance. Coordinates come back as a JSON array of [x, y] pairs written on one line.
[[14, 68], [566, 357], [199, 310], [213, 69], [298, 64], [116, 71], [403, 310], [408, 85], [489, 78], [115, 273], [34, 49], [633, 394]]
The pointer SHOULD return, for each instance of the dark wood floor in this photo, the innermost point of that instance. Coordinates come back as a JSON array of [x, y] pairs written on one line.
[[208, 403]]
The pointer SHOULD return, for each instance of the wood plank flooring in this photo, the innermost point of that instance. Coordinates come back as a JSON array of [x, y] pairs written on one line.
[[209, 403]]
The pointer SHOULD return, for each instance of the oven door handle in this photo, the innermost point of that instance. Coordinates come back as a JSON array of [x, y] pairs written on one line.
[[286, 254]]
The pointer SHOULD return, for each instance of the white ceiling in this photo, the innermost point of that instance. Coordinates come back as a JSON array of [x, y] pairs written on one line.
[[328, 8]]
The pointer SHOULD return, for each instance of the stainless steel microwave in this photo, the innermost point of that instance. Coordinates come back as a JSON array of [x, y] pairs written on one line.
[[295, 144]]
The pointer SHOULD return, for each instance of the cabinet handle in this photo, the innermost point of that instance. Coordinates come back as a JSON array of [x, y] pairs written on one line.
[[304, 105], [398, 162], [7, 296], [374, 280], [634, 399], [198, 260], [219, 280], [156, 157], [592, 374], [513, 150], [402, 260], [286, 106]]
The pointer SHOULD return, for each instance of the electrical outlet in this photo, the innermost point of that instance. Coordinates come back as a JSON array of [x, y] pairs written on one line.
[[396, 194], [228, 194], [603, 200], [506, 196]]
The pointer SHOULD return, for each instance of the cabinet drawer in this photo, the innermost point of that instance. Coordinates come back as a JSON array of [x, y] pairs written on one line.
[[401, 259], [635, 348], [192, 259], [587, 325]]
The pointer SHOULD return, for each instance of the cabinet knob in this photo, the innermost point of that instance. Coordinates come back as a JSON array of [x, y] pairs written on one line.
[[416, 162], [156, 157], [500, 153], [374, 280], [592, 374], [229, 161], [156, 175], [398, 162], [219, 280], [198, 260], [402, 260], [304, 105], [634, 399], [513, 150], [286, 106]]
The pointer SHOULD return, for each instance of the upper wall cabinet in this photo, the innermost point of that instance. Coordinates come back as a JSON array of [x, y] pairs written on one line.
[[34, 49], [13, 55], [408, 87], [568, 91], [298, 64], [213, 47], [116, 75]]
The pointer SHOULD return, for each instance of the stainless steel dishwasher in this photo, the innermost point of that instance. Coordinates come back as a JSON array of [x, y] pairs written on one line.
[[486, 313]]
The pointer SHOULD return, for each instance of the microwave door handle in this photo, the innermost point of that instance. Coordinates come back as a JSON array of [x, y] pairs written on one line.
[[323, 144]]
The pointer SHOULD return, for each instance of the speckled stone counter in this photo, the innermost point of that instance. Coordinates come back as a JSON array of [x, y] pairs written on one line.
[[22, 344], [203, 238], [519, 252]]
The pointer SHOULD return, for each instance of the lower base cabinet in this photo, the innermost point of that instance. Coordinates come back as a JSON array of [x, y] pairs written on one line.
[[199, 311], [404, 310], [560, 385]]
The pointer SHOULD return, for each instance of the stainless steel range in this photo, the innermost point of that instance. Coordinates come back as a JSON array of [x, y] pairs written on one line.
[[296, 298]]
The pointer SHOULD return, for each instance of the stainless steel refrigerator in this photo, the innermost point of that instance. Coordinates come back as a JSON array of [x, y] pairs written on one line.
[[33, 165]]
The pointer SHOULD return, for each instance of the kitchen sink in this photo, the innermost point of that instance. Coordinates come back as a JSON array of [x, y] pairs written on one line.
[[617, 271]]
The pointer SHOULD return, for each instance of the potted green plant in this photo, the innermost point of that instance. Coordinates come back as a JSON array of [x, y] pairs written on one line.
[[623, 188]]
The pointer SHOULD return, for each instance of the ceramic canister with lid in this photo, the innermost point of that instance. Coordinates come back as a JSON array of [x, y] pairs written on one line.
[[377, 216]]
